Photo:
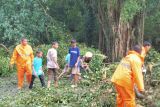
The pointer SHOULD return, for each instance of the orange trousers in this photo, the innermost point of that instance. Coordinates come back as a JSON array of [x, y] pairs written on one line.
[[22, 70], [125, 97]]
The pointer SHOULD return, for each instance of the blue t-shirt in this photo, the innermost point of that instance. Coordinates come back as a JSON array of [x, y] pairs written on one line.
[[37, 64], [74, 54]]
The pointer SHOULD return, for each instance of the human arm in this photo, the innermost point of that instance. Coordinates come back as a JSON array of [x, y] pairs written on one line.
[[32, 55], [77, 61], [138, 94], [136, 67], [33, 69], [14, 57], [67, 59], [54, 58], [78, 55]]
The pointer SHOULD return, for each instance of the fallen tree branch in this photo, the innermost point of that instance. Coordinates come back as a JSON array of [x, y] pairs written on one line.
[[157, 81], [4, 47]]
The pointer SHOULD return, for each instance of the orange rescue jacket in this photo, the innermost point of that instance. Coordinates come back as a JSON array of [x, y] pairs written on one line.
[[22, 55], [129, 72], [143, 54]]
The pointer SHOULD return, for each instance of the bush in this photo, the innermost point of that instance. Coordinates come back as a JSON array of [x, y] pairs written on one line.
[[108, 70], [4, 63], [95, 65], [153, 56], [3, 52], [4, 66], [156, 73], [88, 94]]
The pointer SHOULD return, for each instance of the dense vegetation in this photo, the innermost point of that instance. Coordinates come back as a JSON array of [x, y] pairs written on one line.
[[94, 90], [107, 28], [91, 88], [94, 22]]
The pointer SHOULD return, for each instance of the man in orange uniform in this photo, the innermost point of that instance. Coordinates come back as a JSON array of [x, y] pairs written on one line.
[[23, 57], [127, 74], [146, 47]]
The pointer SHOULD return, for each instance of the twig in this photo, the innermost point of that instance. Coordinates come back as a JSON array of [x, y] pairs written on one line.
[[4, 47]]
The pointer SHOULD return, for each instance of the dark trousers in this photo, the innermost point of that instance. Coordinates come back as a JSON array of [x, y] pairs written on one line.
[[41, 77]]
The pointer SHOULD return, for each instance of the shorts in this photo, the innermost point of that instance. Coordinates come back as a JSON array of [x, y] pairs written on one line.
[[52, 72], [75, 70]]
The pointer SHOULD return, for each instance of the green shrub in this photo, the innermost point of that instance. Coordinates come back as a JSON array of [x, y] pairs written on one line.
[[4, 63], [158, 103], [84, 96], [153, 56], [155, 73], [95, 64], [4, 66], [3, 52], [108, 70]]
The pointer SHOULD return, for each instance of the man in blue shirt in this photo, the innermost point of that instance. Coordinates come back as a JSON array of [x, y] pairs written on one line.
[[74, 52]]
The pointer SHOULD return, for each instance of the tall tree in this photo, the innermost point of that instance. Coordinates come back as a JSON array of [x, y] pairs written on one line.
[[121, 25], [152, 23]]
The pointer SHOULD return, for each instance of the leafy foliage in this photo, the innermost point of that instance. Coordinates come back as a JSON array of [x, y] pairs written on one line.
[[96, 63], [130, 9], [4, 64], [153, 56], [151, 28], [43, 21], [64, 96], [4, 67], [27, 19], [88, 93]]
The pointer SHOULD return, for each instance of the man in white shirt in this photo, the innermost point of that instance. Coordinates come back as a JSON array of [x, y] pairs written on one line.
[[52, 64]]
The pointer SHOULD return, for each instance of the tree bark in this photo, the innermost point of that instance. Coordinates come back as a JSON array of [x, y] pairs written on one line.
[[102, 26], [121, 36]]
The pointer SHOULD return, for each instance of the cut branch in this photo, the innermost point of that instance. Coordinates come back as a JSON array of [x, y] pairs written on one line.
[[4, 47]]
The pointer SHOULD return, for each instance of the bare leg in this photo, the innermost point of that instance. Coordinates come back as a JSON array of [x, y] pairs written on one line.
[[49, 84]]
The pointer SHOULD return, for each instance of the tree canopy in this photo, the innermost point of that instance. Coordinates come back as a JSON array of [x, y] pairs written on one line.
[[99, 23]]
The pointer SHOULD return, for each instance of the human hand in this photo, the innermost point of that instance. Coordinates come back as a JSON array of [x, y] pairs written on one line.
[[67, 65], [139, 94], [35, 74], [57, 66], [143, 92], [76, 65]]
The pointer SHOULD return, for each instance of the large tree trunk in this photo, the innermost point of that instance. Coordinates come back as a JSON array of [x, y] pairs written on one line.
[[121, 36], [102, 27]]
